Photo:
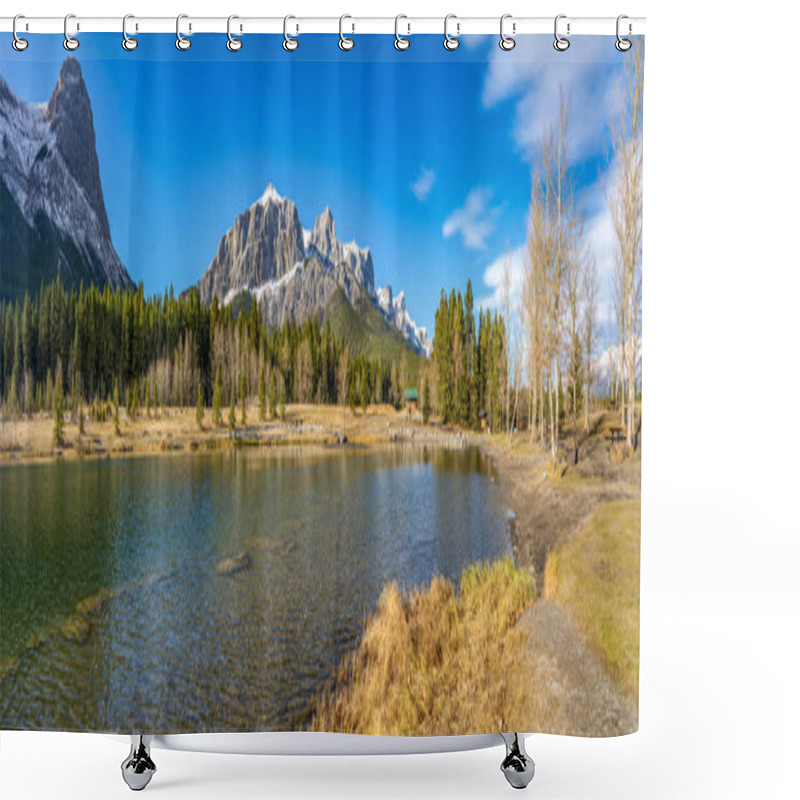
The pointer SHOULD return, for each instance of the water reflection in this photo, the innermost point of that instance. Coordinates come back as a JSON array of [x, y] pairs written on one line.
[[115, 619]]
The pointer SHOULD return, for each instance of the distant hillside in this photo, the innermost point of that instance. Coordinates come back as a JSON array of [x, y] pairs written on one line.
[[365, 329]]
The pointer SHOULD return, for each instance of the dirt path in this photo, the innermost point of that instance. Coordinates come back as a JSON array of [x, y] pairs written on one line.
[[574, 693]]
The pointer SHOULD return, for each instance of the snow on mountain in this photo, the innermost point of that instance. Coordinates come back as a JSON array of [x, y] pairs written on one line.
[[48, 163], [295, 272], [394, 309]]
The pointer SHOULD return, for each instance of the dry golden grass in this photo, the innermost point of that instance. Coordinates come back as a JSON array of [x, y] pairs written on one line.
[[437, 661], [596, 576], [172, 430]]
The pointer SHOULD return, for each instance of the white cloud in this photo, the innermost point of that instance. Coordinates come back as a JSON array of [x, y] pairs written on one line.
[[475, 220], [423, 184], [494, 275], [587, 83]]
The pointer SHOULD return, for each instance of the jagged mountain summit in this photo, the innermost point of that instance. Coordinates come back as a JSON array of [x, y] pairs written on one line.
[[296, 273], [54, 218], [394, 308]]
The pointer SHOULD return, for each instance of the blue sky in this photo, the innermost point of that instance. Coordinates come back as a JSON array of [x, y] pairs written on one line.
[[424, 156]]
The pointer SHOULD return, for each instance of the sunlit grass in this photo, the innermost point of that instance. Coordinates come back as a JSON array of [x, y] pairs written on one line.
[[596, 575], [437, 661]]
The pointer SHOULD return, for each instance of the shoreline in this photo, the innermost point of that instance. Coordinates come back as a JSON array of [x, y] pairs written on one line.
[[568, 669], [175, 431]]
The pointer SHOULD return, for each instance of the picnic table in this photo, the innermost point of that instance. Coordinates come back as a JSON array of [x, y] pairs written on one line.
[[616, 433]]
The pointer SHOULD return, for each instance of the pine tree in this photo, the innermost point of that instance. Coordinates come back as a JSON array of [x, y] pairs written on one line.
[[58, 410], [282, 404], [243, 395], [116, 407], [273, 394], [426, 401], [232, 413], [217, 399], [262, 394], [199, 412], [48, 390]]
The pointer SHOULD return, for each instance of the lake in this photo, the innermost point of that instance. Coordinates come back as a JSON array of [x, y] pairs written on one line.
[[113, 616]]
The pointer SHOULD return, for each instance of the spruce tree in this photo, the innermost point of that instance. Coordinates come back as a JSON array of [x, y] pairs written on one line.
[[116, 407], [426, 401], [273, 394], [217, 399], [262, 394], [243, 395], [232, 413], [58, 411], [199, 411]]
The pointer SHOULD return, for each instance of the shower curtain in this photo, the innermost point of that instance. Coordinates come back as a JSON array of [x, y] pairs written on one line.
[[320, 376]]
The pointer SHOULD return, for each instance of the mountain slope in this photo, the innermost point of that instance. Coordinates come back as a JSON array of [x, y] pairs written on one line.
[[52, 214], [366, 331]]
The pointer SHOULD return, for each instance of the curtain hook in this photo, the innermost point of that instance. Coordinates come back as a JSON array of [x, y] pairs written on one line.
[[561, 43], [622, 44], [233, 44], [70, 42], [181, 42], [19, 44], [345, 42], [400, 42], [289, 44], [507, 42], [128, 42], [451, 42]]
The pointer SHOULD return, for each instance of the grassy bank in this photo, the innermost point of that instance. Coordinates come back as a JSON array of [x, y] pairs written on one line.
[[596, 576], [437, 661], [175, 430]]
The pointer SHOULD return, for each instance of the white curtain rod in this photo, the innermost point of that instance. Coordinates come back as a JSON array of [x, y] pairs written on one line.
[[570, 26]]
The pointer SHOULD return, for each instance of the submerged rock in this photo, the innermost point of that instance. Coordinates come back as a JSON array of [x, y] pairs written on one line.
[[76, 629], [234, 564]]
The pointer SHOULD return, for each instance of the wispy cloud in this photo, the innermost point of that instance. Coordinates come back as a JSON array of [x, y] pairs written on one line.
[[475, 220], [423, 184], [494, 277], [586, 79]]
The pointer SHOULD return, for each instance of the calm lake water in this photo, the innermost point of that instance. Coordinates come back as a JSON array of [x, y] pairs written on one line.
[[174, 646]]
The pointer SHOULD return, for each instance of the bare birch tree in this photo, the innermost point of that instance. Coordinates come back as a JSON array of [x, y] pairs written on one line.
[[625, 204], [590, 291]]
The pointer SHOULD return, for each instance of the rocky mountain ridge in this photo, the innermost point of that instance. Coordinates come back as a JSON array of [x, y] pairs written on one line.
[[294, 272]]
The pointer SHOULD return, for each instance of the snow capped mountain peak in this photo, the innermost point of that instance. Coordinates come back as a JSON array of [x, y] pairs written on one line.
[[270, 195], [48, 163], [295, 272], [394, 309]]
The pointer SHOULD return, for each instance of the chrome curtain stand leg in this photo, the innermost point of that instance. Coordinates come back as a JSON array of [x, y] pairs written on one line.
[[138, 768], [517, 766]]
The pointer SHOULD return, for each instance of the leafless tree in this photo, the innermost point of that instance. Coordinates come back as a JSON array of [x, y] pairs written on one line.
[[625, 204], [590, 291]]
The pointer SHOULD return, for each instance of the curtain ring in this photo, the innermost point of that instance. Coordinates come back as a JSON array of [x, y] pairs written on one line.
[[233, 44], [128, 42], [506, 42], [400, 42], [450, 42], [345, 42], [622, 44], [289, 44], [19, 44], [70, 42], [561, 43], [181, 42]]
